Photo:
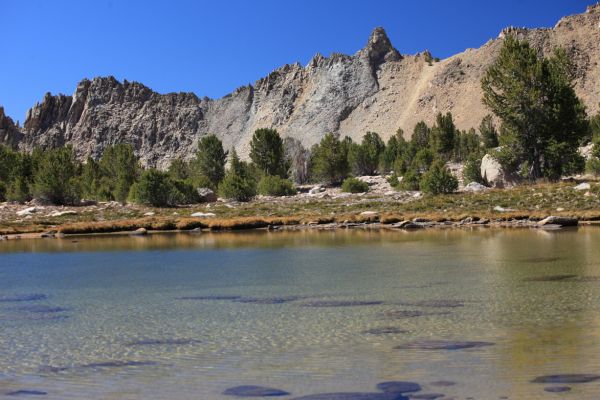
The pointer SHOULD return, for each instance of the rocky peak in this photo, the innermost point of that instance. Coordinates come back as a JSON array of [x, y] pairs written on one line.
[[379, 48], [9, 133]]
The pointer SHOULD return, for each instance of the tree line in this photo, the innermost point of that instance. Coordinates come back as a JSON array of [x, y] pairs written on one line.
[[542, 124]]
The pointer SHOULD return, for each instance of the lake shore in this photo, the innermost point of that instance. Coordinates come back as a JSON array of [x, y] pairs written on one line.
[[519, 207]]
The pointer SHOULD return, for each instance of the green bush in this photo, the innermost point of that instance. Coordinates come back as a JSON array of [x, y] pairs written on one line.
[[236, 187], [156, 188], [438, 179], [593, 166], [472, 171], [270, 185], [2, 191], [410, 180], [353, 185], [18, 190]]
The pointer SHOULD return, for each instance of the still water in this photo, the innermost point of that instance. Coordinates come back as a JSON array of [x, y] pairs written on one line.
[[181, 316]]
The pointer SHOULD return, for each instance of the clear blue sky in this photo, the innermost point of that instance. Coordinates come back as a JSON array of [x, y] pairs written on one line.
[[212, 47]]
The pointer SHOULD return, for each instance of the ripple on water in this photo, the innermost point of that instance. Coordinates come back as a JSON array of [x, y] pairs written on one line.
[[163, 342]]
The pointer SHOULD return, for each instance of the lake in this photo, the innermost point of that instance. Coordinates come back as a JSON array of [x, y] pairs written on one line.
[[466, 313]]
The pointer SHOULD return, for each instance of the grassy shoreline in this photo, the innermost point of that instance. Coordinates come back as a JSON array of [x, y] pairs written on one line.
[[524, 203]]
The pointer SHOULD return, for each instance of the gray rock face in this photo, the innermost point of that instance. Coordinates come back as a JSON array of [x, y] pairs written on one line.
[[376, 89], [9, 133]]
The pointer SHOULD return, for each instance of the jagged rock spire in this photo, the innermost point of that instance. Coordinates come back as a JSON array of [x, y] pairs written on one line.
[[379, 48]]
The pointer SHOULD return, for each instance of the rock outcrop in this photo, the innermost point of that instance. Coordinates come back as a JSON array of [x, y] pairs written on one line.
[[376, 89], [9, 132]]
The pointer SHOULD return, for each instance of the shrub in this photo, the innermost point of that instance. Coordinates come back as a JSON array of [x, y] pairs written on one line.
[[472, 171], [2, 191], [18, 190], [156, 188], [270, 185], [593, 166], [354, 185], [410, 180], [438, 180], [237, 187]]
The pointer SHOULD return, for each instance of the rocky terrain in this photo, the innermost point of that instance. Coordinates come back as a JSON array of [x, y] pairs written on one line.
[[376, 89]]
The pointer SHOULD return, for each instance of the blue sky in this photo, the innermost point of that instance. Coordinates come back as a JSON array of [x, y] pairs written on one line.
[[212, 47]]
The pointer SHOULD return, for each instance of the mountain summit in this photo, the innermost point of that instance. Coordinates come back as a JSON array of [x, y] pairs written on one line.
[[377, 89]]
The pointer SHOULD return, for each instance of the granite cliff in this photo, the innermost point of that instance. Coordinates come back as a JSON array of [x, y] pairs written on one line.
[[376, 89]]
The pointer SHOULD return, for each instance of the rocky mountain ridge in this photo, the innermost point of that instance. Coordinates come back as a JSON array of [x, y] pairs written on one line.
[[376, 89]]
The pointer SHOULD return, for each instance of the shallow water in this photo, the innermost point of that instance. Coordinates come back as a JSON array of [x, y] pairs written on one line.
[[186, 316]]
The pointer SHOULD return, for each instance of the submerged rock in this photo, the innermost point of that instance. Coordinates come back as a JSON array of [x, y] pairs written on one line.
[[400, 314], [398, 387], [426, 396], [163, 342], [119, 364], [443, 383], [27, 392], [23, 297], [341, 303], [266, 300], [436, 303], [41, 309], [254, 391], [443, 345], [566, 378], [385, 330], [209, 297], [353, 396], [550, 278], [557, 389]]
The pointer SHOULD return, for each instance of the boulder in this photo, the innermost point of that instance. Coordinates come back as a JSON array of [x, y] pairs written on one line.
[[27, 211], [140, 232], [475, 187], [494, 174], [583, 186], [561, 221], [203, 215], [316, 190], [206, 195]]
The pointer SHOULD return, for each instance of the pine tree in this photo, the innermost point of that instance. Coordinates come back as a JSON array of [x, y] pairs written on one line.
[[210, 161], [543, 121], [488, 132], [267, 152]]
